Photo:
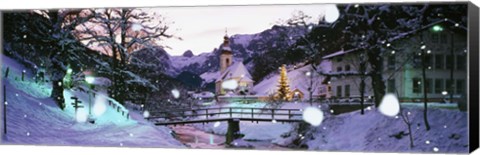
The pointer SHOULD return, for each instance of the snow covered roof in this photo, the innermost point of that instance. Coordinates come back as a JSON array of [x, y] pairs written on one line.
[[342, 52], [446, 21], [236, 70]]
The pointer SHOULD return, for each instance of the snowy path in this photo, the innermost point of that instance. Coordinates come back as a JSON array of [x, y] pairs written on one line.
[[34, 118]]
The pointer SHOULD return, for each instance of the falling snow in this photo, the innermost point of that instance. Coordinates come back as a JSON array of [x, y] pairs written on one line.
[[146, 114], [389, 106], [313, 115], [176, 93]]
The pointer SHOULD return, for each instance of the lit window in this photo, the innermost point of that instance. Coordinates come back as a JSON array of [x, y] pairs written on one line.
[[417, 84]]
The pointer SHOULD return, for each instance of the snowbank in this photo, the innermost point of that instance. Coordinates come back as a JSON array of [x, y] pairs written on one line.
[[375, 132], [34, 118]]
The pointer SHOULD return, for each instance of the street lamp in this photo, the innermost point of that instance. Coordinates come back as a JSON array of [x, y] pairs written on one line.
[[89, 79], [439, 28]]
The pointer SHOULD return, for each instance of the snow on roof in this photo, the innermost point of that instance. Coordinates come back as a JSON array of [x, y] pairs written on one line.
[[226, 48], [102, 81], [236, 70], [404, 35], [445, 21], [342, 52]]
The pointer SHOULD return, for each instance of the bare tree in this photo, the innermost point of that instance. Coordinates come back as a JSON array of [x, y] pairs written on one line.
[[119, 33]]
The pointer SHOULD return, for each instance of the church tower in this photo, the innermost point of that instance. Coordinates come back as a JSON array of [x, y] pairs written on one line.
[[226, 55]]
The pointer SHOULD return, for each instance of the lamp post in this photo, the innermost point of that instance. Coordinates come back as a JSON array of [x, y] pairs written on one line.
[[89, 79], [438, 28], [310, 87]]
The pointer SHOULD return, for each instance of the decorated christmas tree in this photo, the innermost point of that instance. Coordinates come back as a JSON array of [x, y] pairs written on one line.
[[283, 91]]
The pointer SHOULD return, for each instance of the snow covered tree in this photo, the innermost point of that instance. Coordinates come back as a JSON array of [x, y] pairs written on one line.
[[283, 91], [43, 38], [119, 33]]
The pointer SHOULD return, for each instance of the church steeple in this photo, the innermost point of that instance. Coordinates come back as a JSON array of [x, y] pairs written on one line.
[[226, 55], [225, 46]]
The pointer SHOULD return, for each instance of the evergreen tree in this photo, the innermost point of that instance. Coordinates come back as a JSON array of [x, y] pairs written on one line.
[[283, 92]]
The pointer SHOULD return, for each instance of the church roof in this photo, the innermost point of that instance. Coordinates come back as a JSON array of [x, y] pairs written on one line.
[[236, 70]]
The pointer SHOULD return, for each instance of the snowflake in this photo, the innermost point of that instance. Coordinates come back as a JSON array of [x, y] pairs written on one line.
[[146, 114], [427, 142], [176, 93], [389, 105], [28, 133], [25, 116], [121, 144], [131, 134], [445, 126], [435, 149], [6, 103], [313, 115], [217, 124], [16, 94], [274, 121]]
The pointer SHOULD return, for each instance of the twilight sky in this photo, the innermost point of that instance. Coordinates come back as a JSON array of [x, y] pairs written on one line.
[[203, 28]]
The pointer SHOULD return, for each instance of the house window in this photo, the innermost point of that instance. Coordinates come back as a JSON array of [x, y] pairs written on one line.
[[429, 85], [435, 37], [417, 84], [417, 60], [450, 86], [439, 61], [391, 86], [443, 38], [428, 61], [460, 86], [339, 69], [227, 62], [439, 87], [339, 91], [339, 59], [449, 62], [347, 90], [461, 62], [347, 68], [391, 62]]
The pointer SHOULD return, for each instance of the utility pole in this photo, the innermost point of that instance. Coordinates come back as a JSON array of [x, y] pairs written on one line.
[[452, 64], [4, 110]]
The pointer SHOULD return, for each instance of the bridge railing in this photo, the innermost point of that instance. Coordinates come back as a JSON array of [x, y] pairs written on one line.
[[225, 112]]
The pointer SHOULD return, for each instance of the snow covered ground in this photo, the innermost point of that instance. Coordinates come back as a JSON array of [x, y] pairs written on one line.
[[375, 132], [34, 118]]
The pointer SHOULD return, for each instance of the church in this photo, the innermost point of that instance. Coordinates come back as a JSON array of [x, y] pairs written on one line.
[[230, 70]]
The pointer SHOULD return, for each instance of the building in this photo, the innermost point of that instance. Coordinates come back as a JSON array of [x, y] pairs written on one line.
[[444, 51], [232, 71], [346, 84]]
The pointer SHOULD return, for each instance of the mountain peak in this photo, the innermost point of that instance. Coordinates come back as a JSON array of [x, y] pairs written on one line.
[[188, 53]]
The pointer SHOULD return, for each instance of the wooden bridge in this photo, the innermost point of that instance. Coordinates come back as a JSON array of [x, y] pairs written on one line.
[[233, 115]]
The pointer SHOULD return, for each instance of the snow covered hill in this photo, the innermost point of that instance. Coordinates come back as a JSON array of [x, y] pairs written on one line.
[[374, 132], [34, 118]]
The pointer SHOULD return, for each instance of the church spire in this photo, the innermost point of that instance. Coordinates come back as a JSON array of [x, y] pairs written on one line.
[[225, 38]]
